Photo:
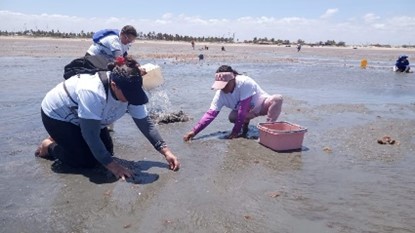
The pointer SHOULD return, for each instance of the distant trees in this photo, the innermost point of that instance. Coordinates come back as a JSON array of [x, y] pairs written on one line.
[[144, 36], [53, 33], [176, 37], [265, 40], [300, 41]]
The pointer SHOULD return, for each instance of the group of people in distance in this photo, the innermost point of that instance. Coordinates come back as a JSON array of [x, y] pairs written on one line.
[[77, 111]]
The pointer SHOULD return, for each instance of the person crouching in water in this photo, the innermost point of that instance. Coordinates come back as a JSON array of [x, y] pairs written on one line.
[[246, 99], [402, 64], [76, 112]]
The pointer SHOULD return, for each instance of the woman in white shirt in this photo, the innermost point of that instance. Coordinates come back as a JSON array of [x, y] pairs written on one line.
[[76, 112], [246, 99]]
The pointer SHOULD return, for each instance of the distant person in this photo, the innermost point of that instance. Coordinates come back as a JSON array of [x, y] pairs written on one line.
[[223, 48], [206, 47], [193, 44], [244, 97], [112, 43], [402, 64], [298, 47], [76, 112], [201, 57]]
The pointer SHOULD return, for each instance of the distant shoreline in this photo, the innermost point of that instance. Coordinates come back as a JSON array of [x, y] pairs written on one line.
[[182, 52], [22, 38]]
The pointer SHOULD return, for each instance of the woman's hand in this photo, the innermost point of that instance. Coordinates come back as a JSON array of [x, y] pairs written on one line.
[[188, 136], [119, 171], [171, 159]]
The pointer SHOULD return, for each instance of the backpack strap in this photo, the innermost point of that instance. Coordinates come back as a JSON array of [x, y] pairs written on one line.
[[104, 79], [67, 93]]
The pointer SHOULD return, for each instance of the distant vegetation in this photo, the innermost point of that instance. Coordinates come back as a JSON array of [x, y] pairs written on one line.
[[177, 37]]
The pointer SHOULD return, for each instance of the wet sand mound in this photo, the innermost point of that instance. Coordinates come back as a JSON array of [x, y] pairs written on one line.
[[167, 118]]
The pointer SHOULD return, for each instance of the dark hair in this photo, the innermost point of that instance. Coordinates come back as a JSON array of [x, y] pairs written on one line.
[[126, 75], [130, 68], [226, 68], [129, 30]]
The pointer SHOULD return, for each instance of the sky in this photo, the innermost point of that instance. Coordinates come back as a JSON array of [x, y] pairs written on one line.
[[356, 22]]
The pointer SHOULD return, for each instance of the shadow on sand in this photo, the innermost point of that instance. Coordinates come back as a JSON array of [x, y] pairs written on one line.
[[101, 175], [253, 133]]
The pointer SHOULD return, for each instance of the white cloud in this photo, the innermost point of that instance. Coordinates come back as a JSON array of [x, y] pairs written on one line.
[[404, 22], [352, 31], [167, 16], [379, 26], [370, 18], [329, 13], [294, 20], [162, 22]]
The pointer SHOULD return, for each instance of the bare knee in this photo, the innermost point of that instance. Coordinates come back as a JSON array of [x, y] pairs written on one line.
[[276, 98], [274, 108]]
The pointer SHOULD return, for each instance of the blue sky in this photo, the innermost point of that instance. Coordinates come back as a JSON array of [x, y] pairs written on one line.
[[351, 21]]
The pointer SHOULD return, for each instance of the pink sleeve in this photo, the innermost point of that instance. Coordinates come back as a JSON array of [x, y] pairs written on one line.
[[207, 118], [242, 112]]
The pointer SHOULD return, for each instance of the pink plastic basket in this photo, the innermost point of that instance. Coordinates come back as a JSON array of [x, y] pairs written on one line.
[[281, 136]]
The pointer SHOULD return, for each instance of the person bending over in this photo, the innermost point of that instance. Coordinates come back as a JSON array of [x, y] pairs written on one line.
[[76, 112], [402, 64], [246, 99], [113, 43]]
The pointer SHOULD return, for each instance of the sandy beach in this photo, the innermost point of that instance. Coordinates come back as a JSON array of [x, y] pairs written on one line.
[[45, 47], [342, 179]]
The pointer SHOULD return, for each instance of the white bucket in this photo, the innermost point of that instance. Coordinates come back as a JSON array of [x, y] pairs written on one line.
[[153, 78]]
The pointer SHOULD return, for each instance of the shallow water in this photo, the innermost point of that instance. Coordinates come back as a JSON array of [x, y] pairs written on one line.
[[341, 180]]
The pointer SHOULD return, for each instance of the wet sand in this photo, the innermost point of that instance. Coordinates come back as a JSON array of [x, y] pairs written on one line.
[[342, 180], [179, 51]]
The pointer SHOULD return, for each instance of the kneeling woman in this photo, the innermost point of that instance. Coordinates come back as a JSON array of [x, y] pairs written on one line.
[[76, 112]]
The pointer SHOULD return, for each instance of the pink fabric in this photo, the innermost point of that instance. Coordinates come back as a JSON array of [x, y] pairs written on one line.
[[221, 79], [207, 118]]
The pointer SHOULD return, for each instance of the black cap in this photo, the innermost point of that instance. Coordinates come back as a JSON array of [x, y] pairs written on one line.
[[131, 87]]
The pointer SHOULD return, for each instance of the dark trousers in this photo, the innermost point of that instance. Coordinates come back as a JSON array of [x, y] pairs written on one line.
[[69, 146]]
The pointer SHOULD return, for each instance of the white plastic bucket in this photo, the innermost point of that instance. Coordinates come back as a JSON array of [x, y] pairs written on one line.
[[153, 78]]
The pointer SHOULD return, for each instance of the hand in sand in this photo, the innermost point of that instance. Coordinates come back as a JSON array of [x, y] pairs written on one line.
[[171, 159], [119, 171], [187, 137]]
